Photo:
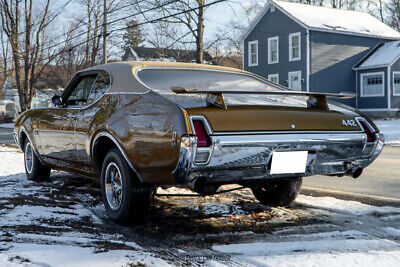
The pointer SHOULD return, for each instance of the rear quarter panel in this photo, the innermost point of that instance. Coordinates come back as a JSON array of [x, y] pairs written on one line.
[[144, 125]]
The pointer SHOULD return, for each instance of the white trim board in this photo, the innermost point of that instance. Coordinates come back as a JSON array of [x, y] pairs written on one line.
[[389, 90]]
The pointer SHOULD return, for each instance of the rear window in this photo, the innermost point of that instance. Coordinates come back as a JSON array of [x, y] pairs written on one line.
[[161, 80]]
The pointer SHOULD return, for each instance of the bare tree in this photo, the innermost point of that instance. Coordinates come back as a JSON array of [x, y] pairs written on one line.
[[5, 57], [192, 21], [24, 25], [393, 9], [339, 4]]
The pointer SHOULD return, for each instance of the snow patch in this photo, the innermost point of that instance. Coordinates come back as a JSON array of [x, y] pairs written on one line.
[[344, 206], [59, 255], [390, 130], [279, 248], [338, 20]]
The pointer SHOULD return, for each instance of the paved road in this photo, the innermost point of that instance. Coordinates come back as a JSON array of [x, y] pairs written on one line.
[[6, 136], [381, 178]]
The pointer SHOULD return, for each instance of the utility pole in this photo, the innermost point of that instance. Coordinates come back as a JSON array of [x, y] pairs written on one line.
[[105, 32]]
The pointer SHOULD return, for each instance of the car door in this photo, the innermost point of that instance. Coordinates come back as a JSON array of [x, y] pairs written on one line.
[[57, 125], [86, 117]]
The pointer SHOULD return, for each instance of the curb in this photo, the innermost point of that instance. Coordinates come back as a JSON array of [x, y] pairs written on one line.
[[363, 198]]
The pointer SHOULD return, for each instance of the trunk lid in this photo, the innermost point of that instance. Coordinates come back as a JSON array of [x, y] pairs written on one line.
[[246, 118]]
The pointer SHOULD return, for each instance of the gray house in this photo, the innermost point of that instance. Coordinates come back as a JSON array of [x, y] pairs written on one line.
[[319, 49]]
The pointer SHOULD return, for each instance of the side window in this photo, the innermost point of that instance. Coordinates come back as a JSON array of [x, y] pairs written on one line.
[[100, 86], [80, 94]]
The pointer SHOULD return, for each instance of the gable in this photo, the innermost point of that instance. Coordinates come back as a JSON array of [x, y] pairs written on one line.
[[382, 56]]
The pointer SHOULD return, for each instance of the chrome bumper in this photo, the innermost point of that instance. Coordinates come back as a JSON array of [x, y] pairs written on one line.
[[235, 158]]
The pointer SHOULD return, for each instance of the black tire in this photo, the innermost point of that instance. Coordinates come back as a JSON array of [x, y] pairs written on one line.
[[132, 207], [34, 169], [278, 193]]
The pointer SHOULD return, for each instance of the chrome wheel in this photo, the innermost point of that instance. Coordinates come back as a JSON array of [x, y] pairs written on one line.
[[28, 158], [113, 186]]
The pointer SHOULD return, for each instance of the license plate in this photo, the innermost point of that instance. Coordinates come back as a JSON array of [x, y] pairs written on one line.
[[289, 162]]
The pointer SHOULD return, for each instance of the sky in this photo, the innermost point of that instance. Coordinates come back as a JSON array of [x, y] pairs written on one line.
[[217, 17]]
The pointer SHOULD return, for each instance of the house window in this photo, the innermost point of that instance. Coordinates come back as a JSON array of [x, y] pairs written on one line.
[[396, 83], [253, 53], [295, 46], [272, 9], [273, 50], [372, 84], [274, 78]]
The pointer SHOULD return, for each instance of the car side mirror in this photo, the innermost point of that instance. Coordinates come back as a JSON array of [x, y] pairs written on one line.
[[56, 100]]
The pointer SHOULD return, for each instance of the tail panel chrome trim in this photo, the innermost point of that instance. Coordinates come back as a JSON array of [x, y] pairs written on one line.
[[236, 155]]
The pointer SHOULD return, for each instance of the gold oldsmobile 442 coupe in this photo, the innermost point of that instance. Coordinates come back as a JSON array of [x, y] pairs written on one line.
[[139, 125]]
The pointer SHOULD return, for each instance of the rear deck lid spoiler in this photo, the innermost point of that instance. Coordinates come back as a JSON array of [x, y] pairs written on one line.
[[215, 97]]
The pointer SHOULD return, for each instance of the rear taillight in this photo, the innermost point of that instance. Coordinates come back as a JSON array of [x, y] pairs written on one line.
[[371, 137], [203, 139]]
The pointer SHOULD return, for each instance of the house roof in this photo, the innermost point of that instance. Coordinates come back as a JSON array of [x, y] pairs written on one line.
[[382, 56], [146, 53], [329, 20]]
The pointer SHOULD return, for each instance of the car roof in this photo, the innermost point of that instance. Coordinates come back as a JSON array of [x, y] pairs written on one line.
[[124, 78]]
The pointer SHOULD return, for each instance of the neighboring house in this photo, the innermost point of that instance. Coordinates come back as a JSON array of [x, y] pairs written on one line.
[[41, 98], [162, 54], [319, 49]]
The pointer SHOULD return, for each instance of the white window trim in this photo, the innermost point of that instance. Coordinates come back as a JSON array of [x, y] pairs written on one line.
[[249, 53], [294, 73], [369, 74], [276, 38], [394, 73], [276, 75], [291, 58]]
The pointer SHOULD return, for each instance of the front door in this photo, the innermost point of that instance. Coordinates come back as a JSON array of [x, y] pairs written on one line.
[[295, 80], [57, 125], [89, 117], [56, 134]]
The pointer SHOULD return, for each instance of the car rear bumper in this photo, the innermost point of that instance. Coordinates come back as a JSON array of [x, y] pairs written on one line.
[[241, 157]]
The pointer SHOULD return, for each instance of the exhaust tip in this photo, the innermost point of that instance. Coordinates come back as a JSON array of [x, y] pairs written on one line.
[[357, 173]]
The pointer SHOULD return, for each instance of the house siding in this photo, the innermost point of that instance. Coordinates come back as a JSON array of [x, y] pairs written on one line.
[[271, 25], [332, 58], [376, 102], [395, 100]]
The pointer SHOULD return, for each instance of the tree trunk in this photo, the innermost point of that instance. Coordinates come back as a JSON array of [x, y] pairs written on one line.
[[200, 32]]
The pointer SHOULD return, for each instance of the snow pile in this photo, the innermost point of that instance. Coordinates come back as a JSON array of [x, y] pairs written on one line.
[[61, 255], [343, 206], [340, 247], [42, 226], [390, 130]]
